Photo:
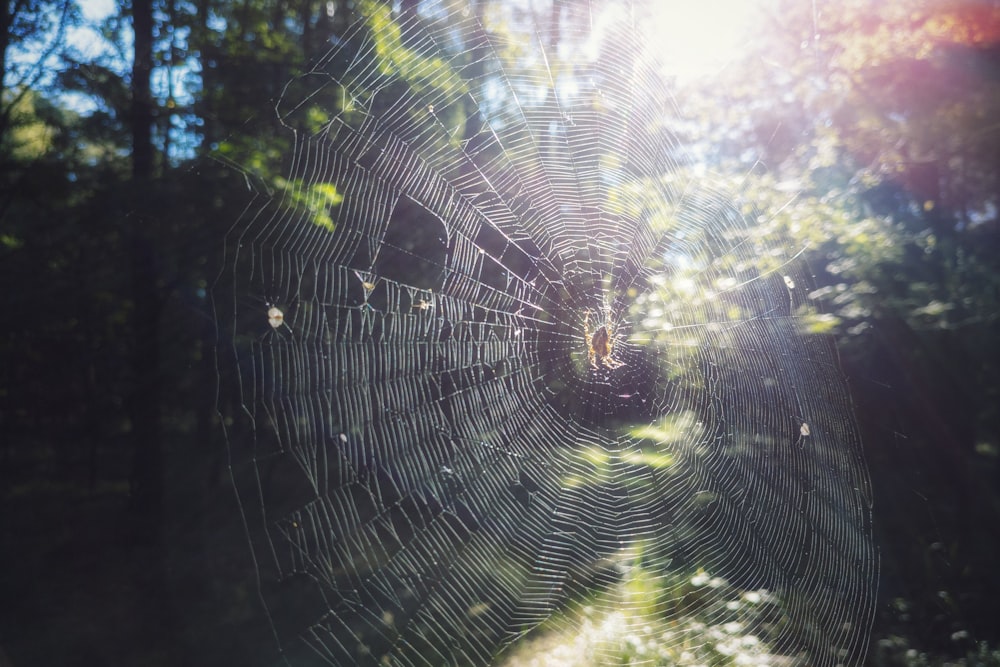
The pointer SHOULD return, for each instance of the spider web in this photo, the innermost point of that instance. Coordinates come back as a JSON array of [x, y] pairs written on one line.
[[438, 453]]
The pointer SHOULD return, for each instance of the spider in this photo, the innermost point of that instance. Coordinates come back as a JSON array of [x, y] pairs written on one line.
[[275, 317], [276, 314], [277, 320], [600, 344]]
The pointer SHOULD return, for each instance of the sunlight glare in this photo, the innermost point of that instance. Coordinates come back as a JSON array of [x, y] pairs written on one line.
[[698, 39]]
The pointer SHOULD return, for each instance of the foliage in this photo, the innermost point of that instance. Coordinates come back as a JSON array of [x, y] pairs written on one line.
[[864, 134], [870, 161]]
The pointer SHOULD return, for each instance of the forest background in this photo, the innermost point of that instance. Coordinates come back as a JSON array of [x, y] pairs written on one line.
[[125, 157]]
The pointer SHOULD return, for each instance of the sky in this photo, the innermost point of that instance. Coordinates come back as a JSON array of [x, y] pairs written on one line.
[[85, 39]]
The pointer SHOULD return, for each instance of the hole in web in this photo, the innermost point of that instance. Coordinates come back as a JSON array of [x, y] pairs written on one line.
[[412, 251], [434, 456]]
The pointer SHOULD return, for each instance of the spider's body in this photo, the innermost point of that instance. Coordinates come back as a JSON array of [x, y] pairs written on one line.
[[600, 344]]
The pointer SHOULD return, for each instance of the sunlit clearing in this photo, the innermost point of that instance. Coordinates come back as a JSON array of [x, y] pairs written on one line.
[[647, 619], [694, 39]]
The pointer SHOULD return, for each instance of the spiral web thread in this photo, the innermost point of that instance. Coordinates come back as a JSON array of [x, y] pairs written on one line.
[[434, 455]]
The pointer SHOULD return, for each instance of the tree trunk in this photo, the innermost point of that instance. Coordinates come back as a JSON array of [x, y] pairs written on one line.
[[146, 481], [142, 97]]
